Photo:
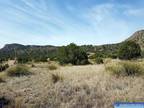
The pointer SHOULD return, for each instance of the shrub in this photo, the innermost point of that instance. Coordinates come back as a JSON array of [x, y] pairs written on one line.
[[125, 68], [32, 65], [23, 59], [1, 80], [56, 77], [132, 68], [3, 67], [72, 54], [129, 50], [52, 67], [18, 70], [99, 60]]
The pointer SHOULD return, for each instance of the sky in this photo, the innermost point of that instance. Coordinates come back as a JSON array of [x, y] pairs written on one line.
[[60, 22]]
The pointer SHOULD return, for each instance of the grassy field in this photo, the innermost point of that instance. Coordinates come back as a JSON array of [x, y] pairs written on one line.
[[54, 86]]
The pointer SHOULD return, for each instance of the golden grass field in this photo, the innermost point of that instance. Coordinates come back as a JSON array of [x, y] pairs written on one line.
[[89, 86]]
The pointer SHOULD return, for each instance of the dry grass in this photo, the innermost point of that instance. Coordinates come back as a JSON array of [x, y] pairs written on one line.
[[125, 68], [18, 70], [2, 77], [82, 87], [56, 77], [52, 67]]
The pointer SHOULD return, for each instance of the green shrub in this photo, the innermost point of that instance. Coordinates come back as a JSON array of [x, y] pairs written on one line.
[[99, 60], [52, 67], [18, 70], [3, 67], [23, 59], [129, 50], [72, 54], [125, 68]]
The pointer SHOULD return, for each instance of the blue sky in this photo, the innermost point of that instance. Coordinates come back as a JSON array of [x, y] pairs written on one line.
[[59, 22]]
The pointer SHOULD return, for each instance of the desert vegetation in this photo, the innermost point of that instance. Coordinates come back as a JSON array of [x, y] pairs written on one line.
[[52, 67], [72, 54], [3, 67], [99, 60], [18, 70], [75, 86], [125, 68], [74, 78], [129, 50]]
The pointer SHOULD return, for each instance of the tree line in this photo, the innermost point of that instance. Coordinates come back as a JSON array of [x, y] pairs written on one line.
[[74, 54]]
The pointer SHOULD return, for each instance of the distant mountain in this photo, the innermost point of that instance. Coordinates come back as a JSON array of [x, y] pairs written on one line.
[[48, 51], [138, 37], [35, 51]]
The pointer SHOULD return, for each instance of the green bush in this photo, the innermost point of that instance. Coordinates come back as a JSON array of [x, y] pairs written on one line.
[[129, 50], [125, 68], [3, 67], [99, 60], [23, 59], [72, 54], [18, 70]]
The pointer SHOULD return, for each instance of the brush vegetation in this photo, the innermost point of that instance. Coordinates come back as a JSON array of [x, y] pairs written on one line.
[[52, 67], [3, 67], [125, 68], [72, 54], [56, 77], [129, 50], [18, 70], [99, 60]]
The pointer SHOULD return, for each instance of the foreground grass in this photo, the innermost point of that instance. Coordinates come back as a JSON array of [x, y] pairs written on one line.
[[82, 87]]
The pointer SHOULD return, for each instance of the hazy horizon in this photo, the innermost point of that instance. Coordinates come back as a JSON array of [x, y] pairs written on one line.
[[60, 22]]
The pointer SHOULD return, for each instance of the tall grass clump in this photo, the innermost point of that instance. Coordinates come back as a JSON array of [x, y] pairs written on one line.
[[52, 67], [125, 68], [56, 77], [18, 70]]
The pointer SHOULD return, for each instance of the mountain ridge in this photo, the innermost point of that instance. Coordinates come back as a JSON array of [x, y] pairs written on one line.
[[15, 49]]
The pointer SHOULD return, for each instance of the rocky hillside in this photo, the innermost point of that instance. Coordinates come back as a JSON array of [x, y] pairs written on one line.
[[138, 37]]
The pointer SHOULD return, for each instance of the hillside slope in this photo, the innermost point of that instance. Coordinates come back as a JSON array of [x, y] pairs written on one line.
[[138, 37]]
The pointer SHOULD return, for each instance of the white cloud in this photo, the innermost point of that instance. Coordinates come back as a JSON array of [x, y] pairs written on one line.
[[135, 12], [106, 24], [100, 12]]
